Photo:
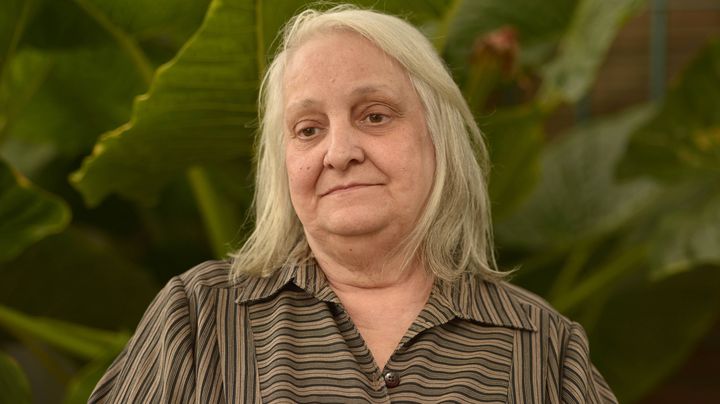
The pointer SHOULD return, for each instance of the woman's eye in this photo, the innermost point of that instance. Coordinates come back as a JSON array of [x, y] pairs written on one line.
[[375, 118], [307, 132]]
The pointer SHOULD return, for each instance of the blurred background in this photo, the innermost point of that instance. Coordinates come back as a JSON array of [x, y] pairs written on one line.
[[126, 136]]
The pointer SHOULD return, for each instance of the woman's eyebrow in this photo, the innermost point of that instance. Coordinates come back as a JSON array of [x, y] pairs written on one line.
[[302, 104], [307, 103], [371, 89], [296, 107]]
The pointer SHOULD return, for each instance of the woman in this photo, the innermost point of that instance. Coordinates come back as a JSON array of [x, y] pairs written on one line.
[[369, 276]]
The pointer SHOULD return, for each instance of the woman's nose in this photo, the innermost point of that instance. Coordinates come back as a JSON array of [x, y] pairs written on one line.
[[343, 147]]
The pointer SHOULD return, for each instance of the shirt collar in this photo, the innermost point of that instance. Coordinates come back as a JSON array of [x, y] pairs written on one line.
[[307, 276], [470, 297]]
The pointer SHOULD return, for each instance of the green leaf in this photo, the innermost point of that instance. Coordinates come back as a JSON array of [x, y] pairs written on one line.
[[200, 108], [90, 268], [680, 147], [683, 141], [169, 20], [27, 214], [583, 49], [23, 76], [79, 23], [79, 93], [683, 227], [79, 66], [56, 25], [515, 138], [82, 341], [14, 385], [577, 196], [648, 329]]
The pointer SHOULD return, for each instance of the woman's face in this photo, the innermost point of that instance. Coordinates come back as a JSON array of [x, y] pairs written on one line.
[[358, 156]]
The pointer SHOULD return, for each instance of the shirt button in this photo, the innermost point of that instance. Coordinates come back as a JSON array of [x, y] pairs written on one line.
[[392, 379]]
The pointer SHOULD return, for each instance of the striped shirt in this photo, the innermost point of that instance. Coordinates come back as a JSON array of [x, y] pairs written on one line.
[[287, 339]]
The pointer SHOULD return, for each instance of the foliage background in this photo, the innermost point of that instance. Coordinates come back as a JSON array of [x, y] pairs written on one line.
[[126, 133]]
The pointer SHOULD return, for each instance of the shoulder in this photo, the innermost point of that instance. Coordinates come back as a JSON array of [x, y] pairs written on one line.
[[566, 339], [525, 296], [214, 274], [546, 320], [184, 294], [570, 373], [158, 362]]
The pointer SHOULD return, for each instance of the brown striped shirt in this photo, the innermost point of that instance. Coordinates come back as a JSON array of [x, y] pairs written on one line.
[[287, 339]]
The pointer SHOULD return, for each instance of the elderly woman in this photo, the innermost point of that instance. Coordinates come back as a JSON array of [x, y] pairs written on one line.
[[369, 276]]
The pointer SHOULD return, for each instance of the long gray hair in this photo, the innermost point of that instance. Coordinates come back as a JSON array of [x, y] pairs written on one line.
[[454, 233]]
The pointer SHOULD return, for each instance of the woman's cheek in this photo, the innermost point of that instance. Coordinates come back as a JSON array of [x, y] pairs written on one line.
[[301, 175]]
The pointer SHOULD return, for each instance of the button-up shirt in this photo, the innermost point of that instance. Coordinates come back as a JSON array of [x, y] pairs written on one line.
[[287, 338]]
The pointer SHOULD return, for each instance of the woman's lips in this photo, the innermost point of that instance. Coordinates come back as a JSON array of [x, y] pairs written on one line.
[[348, 187]]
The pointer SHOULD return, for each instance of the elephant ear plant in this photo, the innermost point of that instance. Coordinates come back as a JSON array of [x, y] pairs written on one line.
[[126, 136]]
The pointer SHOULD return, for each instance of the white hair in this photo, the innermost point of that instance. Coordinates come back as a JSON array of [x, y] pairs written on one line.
[[454, 233]]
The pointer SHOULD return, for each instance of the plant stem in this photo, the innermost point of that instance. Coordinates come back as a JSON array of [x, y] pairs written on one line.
[[123, 39], [79, 340], [441, 35], [569, 273], [218, 212], [599, 279]]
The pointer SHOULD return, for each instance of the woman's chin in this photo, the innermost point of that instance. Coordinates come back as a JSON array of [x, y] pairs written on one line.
[[355, 224]]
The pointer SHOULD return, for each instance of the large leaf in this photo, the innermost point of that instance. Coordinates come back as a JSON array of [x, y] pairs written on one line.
[[90, 270], [78, 92], [583, 48], [79, 65], [648, 329], [166, 20], [683, 229], [58, 24], [577, 196], [683, 141], [79, 340], [200, 108], [22, 78], [681, 147], [14, 386], [27, 214]]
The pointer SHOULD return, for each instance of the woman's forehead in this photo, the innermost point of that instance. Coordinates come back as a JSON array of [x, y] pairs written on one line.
[[344, 62], [341, 50]]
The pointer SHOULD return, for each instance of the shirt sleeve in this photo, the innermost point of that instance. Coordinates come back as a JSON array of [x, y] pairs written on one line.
[[157, 365], [580, 381]]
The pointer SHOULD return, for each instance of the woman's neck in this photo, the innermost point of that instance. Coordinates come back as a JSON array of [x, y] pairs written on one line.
[[364, 262], [364, 271]]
